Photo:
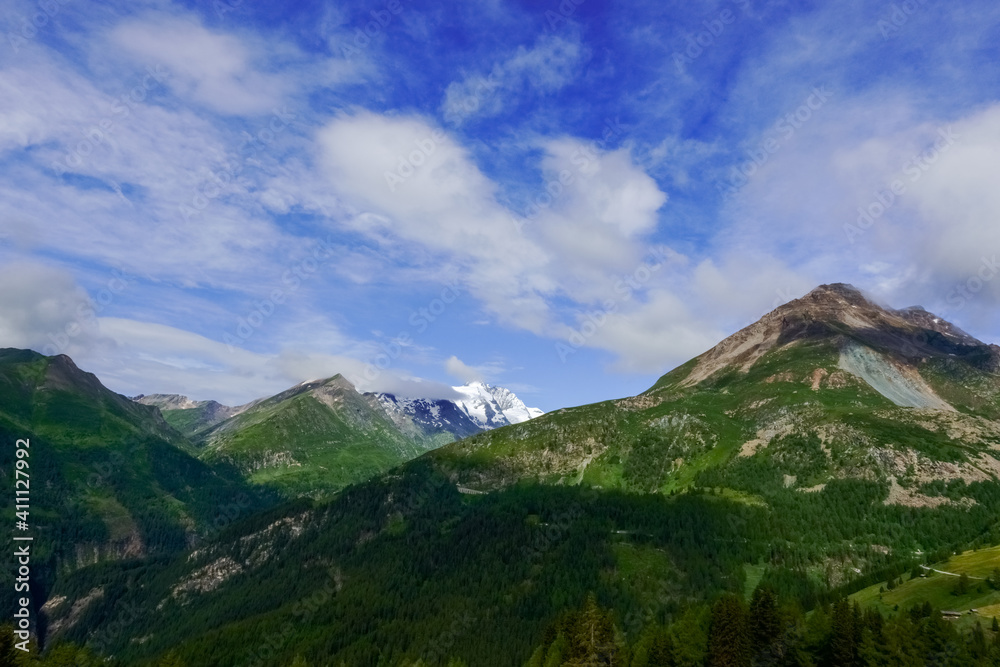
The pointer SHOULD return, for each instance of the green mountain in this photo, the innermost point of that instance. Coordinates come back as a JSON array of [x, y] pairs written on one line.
[[316, 437], [51, 397], [109, 479], [191, 418], [830, 387], [832, 445]]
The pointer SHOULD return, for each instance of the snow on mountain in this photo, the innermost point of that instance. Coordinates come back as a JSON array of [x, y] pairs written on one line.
[[482, 407], [493, 407], [428, 417]]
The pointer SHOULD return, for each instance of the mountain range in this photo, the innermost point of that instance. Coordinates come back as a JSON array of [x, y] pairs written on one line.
[[833, 444], [829, 386], [322, 435]]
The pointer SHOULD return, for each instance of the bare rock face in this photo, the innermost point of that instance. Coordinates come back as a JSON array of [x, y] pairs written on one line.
[[902, 338], [898, 382]]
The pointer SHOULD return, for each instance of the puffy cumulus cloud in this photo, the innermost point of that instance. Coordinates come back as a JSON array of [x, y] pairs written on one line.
[[425, 191], [737, 289], [651, 336], [550, 64], [592, 214], [912, 208], [134, 357], [212, 68], [605, 187], [958, 199], [461, 371], [44, 309]]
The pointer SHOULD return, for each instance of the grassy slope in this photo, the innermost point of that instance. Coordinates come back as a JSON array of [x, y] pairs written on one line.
[[192, 422], [698, 428], [665, 443], [676, 439], [771, 532], [939, 589], [318, 448], [109, 478]]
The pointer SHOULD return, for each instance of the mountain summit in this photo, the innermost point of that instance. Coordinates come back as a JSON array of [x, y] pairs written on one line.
[[829, 386], [324, 434], [842, 313], [492, 407]]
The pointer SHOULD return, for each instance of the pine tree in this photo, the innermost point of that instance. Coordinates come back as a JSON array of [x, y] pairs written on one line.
[[655, 648], [843, 649], [537, 658], [661, 653], [594, 639], [729, 635], [171, 659], [556, 655], [8, 653], [765, 626], [978, 648]]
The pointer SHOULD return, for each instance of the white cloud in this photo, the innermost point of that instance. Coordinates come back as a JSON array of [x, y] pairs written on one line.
[[606, 187], [550, 64], [649, 337], [461, 371], [214, 69], [428, 195], [427, 191], [825, 206], [43, 309]]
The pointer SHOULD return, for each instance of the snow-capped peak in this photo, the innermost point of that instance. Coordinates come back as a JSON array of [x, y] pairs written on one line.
[[480, 406], [492, 407]]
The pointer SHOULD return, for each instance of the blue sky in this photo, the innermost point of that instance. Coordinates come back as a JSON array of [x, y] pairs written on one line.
[[568, 199]]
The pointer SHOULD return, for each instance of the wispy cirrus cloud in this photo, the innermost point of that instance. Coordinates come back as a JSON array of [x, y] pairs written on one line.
[[552, 62], [540, 173]]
